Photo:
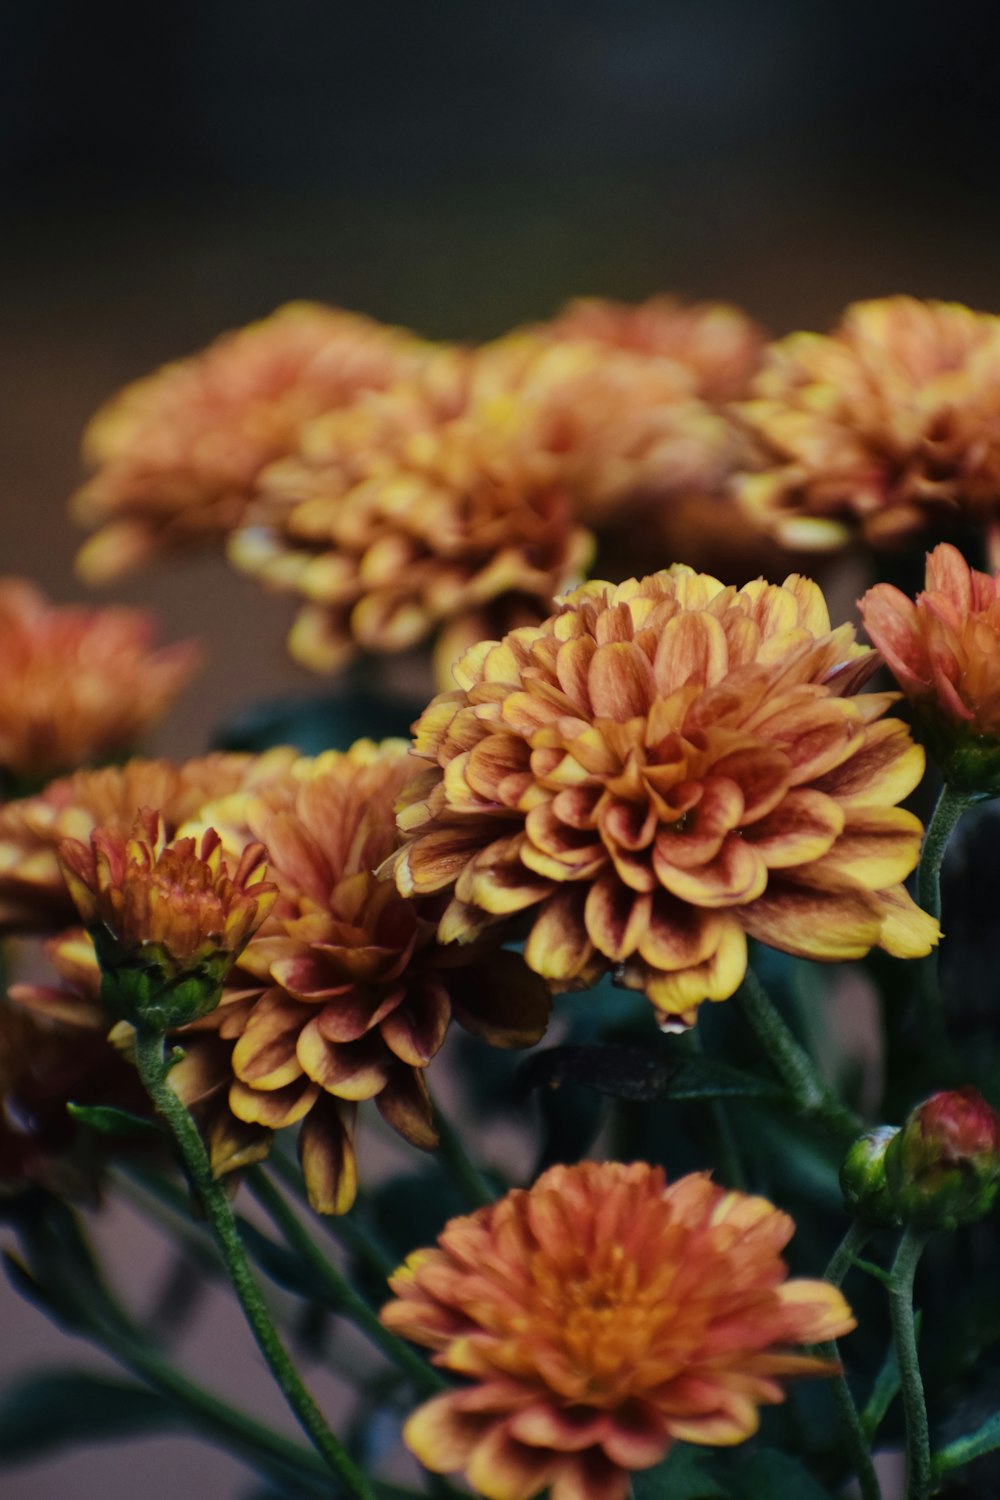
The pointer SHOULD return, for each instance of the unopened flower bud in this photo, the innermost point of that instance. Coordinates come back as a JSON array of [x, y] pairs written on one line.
[[167, 920], [943, 1167], [863, 1177]]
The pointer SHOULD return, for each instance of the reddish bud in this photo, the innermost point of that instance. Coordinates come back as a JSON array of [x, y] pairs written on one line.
[[943, 1167]]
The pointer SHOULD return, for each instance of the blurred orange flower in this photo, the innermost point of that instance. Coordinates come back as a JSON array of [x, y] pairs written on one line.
[[661, 769], [888, 426], [716, 343], [77, 686], [353, 994], [944, 651], [176, 455], [414, 514], [599, 1317]]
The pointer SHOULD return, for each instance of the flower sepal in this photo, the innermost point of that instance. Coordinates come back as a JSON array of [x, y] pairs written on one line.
[[147, 988], [863, 1178]]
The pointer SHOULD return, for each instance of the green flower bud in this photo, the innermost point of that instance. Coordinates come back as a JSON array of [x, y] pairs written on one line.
[[943, 1167], [863, 1177]]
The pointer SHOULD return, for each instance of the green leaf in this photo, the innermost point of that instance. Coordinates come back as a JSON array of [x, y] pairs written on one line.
[[774, 1475], [639, 1075], [986, 1439], [682, 1476], [58, 1408], [107, 1119]]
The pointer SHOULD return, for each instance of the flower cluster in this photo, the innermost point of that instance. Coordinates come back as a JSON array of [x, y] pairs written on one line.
[[600, 1317], [662, 769]]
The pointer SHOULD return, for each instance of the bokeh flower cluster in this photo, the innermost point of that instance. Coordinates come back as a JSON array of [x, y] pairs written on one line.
[[656, 773]]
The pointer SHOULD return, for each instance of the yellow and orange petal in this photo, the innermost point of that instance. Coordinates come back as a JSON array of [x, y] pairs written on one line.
[[888, 426], [598, 1318], [661, 770], [176, 455], [77, 686]]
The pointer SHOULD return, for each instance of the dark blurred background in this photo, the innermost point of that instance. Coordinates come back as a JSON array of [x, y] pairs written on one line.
[[172, 171]]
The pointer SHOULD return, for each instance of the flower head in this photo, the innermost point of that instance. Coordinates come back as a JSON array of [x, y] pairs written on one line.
[[407, 517], [77, 686], [943, 1165], [661, 769], [600, 1317], [167, 919], [33, 894], [347, 994], [887, 426], [717, 344], [176, 455], [944, 651]]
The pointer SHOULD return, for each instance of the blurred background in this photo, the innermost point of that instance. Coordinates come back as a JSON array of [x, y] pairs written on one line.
[[169, 172]]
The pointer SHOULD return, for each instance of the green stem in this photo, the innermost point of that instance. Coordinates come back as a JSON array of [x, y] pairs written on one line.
[[464, 1171], [340, 1295], [791, 1062], [951, 804], [730, 1164], [851, 1245], [153, 1071], [346, 1229], [918, 1446]]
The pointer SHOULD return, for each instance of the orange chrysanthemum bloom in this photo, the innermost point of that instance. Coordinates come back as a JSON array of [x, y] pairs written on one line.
[[716, 343], [346, 994], [661, 769], [600, 1317], [177, 454], [33, 894], [77, 686], [411, 515], [944, 651], [888, 426]]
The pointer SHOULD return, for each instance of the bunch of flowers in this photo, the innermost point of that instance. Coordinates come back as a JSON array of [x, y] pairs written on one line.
[[632, 795]]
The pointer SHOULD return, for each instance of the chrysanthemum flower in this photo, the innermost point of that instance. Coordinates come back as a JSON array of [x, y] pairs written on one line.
[[716, 343], [77, 686], [354, 994], [662, 769], [33, 894], [406, 517], [600, 1317], [888, 426], [944, 651], [176, 455], [167, 918]]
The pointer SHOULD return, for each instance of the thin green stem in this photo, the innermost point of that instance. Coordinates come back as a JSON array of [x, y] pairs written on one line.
[[153, 1071], [464, 1172], [357, 1238], [841, 1261], [791, 1062], [951, 805], [918, 1445], [730, 1164], [340, 1295]]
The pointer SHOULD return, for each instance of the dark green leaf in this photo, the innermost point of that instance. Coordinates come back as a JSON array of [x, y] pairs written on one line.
[[767, 1474], [639, 1075], [107, 1119], [311, 724], [57, 1408], [683, 1475], [986, 1439]]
